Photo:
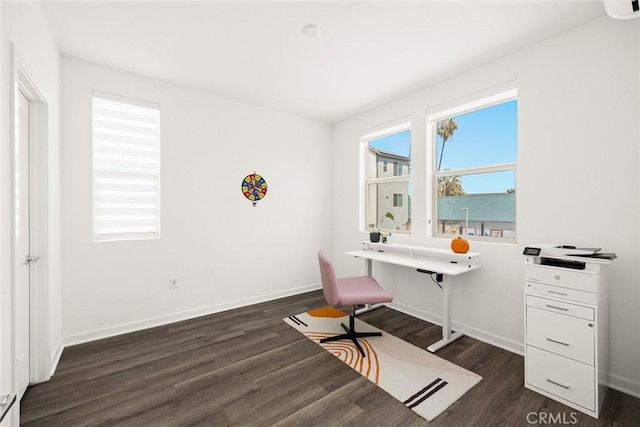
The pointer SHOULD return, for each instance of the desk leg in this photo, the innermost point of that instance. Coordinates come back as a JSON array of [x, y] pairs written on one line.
[[448, 336], [369, 307]]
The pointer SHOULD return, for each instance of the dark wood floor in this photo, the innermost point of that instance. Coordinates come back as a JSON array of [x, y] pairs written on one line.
[[247, 367]]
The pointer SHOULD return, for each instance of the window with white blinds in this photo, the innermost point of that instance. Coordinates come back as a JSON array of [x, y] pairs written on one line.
[[126, 168]]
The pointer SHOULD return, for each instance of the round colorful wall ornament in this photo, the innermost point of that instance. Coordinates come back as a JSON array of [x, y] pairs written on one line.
[[254, 188]]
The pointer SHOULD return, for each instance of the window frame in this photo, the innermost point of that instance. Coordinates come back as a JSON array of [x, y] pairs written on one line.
[[389, 128], [485, 99], [135, 235]]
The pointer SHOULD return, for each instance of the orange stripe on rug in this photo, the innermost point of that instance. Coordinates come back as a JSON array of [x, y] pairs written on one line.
[[327, 311]]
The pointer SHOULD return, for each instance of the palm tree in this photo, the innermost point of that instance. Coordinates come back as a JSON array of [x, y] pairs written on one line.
[[450, 186], [445, 130]]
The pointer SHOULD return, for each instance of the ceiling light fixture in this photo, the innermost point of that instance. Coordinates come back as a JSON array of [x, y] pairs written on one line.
[[311, 30]]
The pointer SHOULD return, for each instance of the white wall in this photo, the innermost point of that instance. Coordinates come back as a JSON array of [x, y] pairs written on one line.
[[225, 252], [24, 24], [577, 183]]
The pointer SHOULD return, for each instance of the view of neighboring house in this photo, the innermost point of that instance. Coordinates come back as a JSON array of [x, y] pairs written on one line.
[[392, 196]]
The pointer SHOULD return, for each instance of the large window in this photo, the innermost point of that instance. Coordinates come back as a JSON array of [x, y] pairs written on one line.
[[388, 186], [474, 162], [126, 168]]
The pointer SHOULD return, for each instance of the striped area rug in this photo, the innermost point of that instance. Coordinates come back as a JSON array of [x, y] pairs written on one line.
[[424, 382]]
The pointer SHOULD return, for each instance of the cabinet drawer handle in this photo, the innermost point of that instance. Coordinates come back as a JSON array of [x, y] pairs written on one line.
[[557, 293], [557, 308], [558, 342], [558, 384]]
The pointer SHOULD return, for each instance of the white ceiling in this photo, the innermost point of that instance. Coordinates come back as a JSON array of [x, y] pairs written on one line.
[[368, 53]]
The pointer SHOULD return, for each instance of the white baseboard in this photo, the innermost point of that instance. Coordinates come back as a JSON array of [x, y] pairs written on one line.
[[56, 359], [478, 334], [624, 385], [185, 315]]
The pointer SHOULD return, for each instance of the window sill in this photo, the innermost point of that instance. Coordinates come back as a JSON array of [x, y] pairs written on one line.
[[477, 239]]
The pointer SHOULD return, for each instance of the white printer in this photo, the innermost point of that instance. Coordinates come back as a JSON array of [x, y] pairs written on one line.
[[567, 256]]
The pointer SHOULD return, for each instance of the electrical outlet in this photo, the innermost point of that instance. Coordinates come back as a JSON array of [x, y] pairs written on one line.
[[173, 282]]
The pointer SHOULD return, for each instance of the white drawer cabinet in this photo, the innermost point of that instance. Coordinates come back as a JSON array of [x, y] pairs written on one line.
[[565, 378], [567, 336], [566, 344]]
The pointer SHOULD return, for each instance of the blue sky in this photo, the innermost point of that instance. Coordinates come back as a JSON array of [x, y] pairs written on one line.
[[484, 137], [398, 143]]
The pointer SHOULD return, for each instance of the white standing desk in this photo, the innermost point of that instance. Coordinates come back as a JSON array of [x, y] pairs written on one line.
[[425, 260]]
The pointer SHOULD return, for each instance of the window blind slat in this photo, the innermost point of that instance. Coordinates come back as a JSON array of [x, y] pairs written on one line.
[[105, 170], [134, 134], [131, 206], [127, 107], [115, 117], [129, 230], [133, 142], [110, 158], [126, 187], [126, 221], [123, 147], [126, 170]]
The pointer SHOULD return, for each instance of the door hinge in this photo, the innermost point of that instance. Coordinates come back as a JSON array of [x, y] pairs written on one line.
[[6, 402]]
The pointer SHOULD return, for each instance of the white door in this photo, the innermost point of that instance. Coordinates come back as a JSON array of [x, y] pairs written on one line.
[[22, 238]]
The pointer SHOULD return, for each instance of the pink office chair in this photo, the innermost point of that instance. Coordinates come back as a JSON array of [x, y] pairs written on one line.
[[350, 291]]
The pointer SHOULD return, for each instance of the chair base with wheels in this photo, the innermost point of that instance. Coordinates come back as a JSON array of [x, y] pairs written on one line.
[[350, 291], [351, 333]]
